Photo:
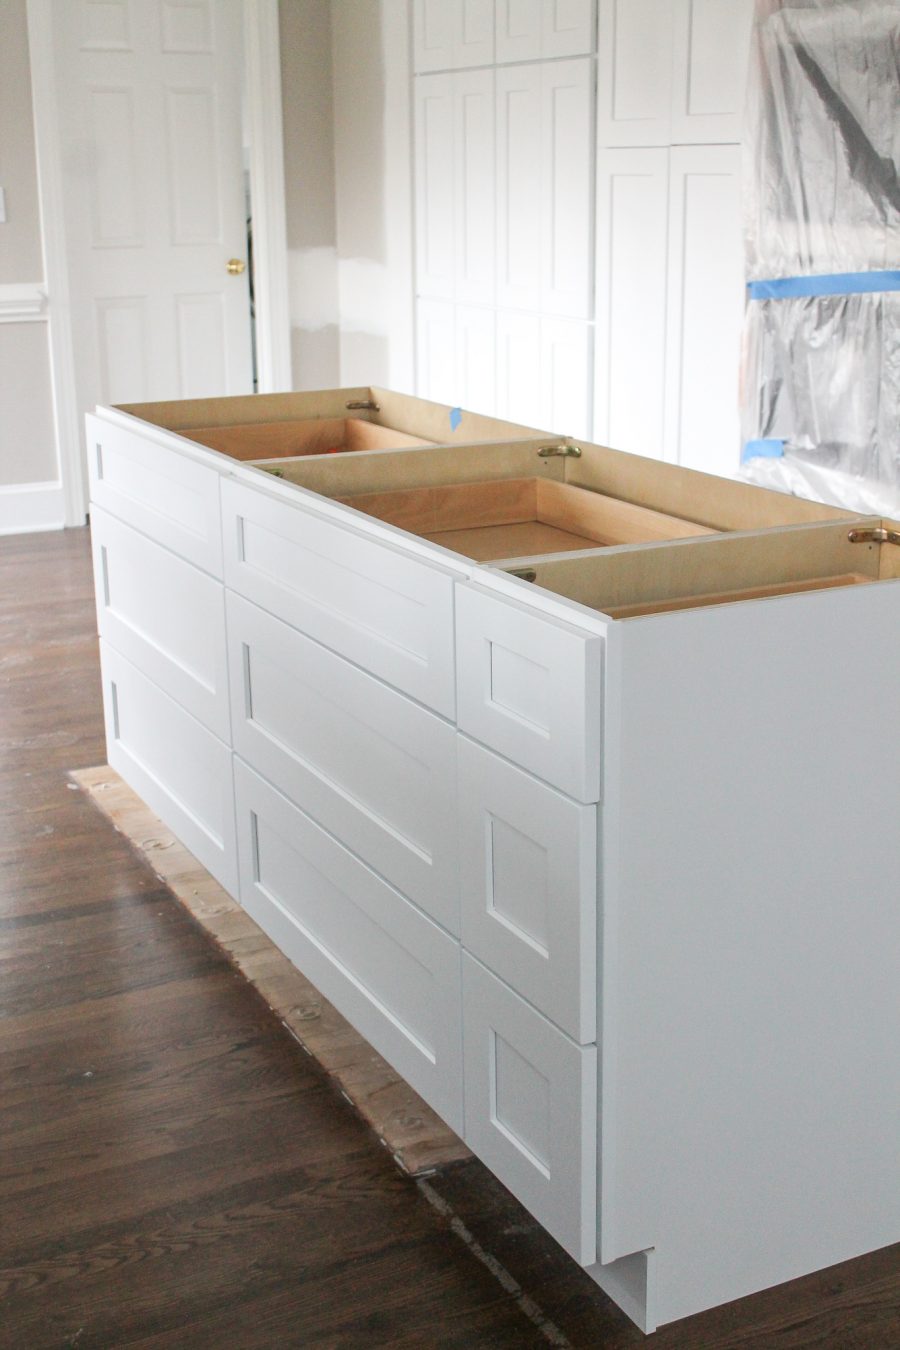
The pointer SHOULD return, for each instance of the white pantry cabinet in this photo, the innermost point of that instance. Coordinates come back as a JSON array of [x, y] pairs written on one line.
[[567, 775]]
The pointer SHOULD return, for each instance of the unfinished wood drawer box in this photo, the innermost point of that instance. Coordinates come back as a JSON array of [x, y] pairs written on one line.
[[671, 703], [383, 964]]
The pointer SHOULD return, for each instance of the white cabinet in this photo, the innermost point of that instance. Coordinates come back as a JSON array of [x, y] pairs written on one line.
[[543, 187], [535, 30], [529, 1094], [632, 273], [672, 72], [473, 185], [387, 967], [451, 34], [705, 308], [435, 208]]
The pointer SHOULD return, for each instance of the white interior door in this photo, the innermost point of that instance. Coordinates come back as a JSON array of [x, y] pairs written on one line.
[[149, 123]]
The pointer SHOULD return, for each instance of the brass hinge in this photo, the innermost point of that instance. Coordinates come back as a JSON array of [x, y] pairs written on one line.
[[874, 536], [363, 405], [523, 573], [564, 448]]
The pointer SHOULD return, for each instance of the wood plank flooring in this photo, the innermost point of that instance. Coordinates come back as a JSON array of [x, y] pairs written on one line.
[[174, 1171]]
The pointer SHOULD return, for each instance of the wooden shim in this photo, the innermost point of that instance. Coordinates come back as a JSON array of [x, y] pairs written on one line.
[[417, 1139]]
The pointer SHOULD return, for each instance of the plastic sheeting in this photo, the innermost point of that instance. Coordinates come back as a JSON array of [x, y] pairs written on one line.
[[822, 372]]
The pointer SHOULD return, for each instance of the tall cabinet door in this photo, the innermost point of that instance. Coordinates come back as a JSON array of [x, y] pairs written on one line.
[[435, 245], [565, 188], [632, 264], [519, 187], [705, 307], [473, 178], [531, 30]]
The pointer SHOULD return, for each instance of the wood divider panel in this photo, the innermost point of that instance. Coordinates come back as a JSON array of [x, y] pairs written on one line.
[[313, 436]]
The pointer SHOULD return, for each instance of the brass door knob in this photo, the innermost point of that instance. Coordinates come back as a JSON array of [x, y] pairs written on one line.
[[235, 266]]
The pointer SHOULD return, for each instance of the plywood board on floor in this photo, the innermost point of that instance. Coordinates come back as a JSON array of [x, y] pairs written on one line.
[[419, 1140]]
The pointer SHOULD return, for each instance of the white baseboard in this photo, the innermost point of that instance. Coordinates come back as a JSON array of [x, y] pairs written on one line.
[[27, 507]]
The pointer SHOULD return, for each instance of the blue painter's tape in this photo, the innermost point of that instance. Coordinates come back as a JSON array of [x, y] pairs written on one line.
[[769, 448], [455, 418], [832, 283]]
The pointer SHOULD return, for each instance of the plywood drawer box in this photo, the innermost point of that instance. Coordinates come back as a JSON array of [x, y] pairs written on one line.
[[182, 771], [391, 971], [166, 616], [679, 788], [374, 768], [528, 887]]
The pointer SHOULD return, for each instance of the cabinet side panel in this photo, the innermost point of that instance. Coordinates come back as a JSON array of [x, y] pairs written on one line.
[[751, 1096]]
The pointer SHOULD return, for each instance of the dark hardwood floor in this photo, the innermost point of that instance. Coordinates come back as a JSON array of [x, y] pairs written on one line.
[[174, 1172]]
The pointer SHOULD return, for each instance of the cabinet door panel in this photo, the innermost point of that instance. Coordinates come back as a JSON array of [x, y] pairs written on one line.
[[476, 359], [531, 1109], [434, 186], [632, 262], [176, 765], [386, 967], [474, 35], [565, 188], [634, 72], [162, 493], [518, 30], [388, 612], [567, 27], [530, 688], [372, 767], [519, 207], [565, 375], [528, 887], [436, 352], [519, 368], [473, 104], [711, 55], [166, 616], [434, 29], [705, 308]]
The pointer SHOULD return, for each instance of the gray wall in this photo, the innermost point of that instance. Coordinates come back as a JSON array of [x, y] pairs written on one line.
[[27, 445]]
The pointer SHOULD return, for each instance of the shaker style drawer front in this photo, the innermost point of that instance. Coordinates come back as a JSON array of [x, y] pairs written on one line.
[[528, 887], [529, 686], [176, 765], [531, 1109], [387, 612], [374, 768], [390, 971], [166, 495], [166, 616]]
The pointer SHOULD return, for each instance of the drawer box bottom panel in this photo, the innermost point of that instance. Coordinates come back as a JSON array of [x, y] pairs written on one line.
[[531, 1109], [180, 769], [387, 968]]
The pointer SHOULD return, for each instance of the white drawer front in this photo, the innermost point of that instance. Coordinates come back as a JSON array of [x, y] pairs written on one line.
[[179, 768], [390, 971], [529, 686], [531, 1109], [163, 493], [528, 887], [377, 770], [166, 616], [390, 613]]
